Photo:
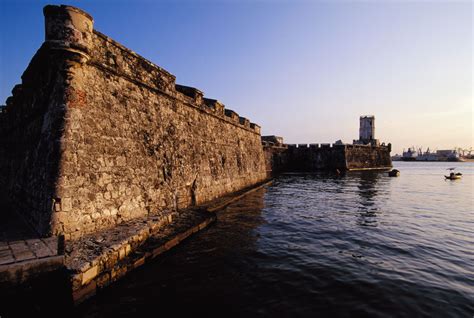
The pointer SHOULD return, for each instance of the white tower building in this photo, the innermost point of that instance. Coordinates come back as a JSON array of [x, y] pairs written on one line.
[[367, 129]]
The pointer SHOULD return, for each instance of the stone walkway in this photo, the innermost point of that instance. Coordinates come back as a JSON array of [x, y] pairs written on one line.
[[26, 250], [26, 259], [23, 254], [96, 260]]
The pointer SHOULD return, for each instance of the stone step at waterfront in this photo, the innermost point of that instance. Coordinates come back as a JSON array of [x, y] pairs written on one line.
[[20, 260], [96, 261], [17, 251]]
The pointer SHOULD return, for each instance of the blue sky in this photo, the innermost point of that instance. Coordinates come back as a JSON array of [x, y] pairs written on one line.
[[304, 70]]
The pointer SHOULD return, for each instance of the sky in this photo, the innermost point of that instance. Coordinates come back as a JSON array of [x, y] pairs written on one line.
[[303, 70]]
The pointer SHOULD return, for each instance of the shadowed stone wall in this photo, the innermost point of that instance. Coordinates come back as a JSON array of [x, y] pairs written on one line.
[[367, 157], [113, 137], [31, 128], [314, 157]]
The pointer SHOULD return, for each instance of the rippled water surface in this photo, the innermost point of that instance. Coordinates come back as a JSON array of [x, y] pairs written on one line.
[[361, 244]]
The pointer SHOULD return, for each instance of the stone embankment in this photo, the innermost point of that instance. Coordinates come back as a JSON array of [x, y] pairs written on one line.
[[99, 259], [95, 261]]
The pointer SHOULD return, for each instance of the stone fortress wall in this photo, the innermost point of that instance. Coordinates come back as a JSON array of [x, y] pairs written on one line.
[[281, 157], [97, 135]]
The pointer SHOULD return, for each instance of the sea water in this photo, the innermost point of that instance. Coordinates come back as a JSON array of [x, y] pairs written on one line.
[[308, 245]]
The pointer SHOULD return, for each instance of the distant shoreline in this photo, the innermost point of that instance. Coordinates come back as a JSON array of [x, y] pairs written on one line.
[[425, 161]]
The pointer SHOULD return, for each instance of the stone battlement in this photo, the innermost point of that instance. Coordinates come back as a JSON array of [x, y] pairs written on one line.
[[143, 72], [323, 145], [70, 30]]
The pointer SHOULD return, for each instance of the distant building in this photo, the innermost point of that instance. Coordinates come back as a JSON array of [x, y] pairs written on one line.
[[367, 131], [410, 155], [276, 140], [448, 155], [427, 155], [441, 155], [367, 128]]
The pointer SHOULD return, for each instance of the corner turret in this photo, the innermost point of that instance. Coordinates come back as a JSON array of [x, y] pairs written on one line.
[[69, 29]]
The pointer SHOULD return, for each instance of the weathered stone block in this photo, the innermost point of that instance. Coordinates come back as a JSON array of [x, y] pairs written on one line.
[[171, 243], [66, 204], [103, 280], [117, 273], [89, 274], [139, 262], [84, 293]]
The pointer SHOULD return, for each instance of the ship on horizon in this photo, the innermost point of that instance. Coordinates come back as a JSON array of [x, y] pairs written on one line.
[[409, 155], [418, 155]]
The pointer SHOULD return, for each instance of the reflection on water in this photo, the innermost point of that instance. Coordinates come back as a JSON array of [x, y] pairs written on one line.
[[367, 192], [360, 244]]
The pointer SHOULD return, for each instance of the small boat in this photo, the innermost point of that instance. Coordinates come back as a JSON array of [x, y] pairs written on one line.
[[452, 175], [394, 173]]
